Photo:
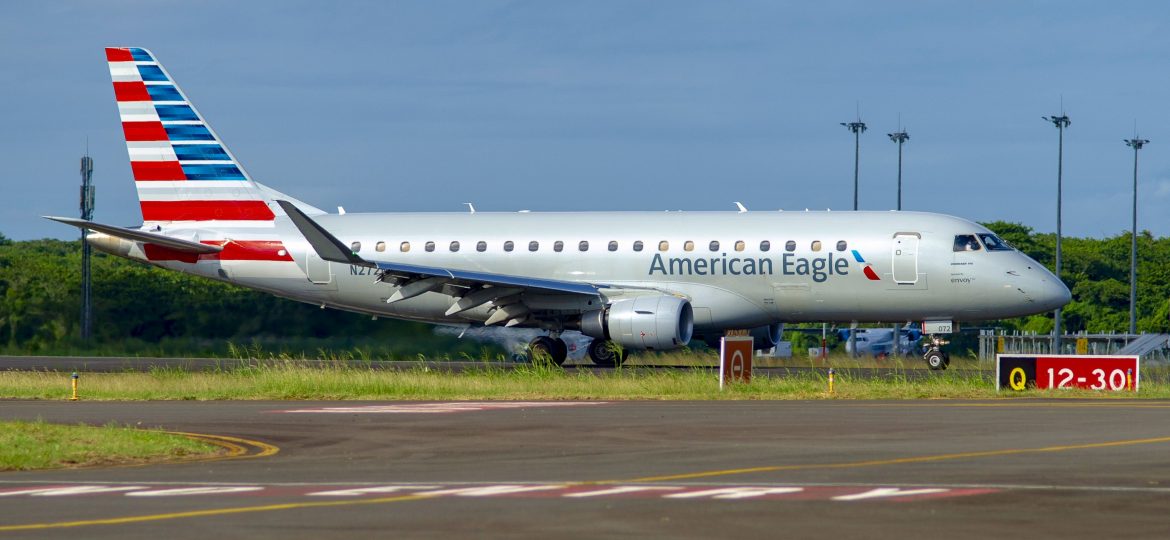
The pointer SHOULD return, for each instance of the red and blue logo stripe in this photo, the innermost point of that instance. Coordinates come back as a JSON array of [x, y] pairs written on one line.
[[169, 142], [867, 269]]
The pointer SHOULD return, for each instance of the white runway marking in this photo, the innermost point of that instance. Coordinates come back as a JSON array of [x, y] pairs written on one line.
[[516, 490], [442, 408]]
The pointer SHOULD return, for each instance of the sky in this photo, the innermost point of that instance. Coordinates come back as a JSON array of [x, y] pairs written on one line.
[[611, 105]]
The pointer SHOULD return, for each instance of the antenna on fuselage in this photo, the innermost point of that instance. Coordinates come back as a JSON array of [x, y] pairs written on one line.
[[740, 206], [470, 208]]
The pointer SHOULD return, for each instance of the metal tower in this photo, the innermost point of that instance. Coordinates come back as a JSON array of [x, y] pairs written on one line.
[[87, 193]]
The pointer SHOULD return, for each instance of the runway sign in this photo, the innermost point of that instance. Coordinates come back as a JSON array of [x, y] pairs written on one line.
[[1108, 373], [735, 359]]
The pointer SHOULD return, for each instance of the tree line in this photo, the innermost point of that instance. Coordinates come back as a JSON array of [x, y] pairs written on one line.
[[140, 308]]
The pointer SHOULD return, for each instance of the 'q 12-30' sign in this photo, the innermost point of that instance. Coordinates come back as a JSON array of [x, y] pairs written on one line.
[[1110, 373]]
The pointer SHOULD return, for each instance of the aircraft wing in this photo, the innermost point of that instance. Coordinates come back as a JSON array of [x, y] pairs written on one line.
[[177, 244], [483, 287]]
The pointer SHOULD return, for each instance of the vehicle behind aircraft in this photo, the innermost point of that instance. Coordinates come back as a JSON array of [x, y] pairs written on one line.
[[879, 342]]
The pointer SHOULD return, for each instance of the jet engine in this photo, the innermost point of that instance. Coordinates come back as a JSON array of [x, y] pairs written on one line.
[[643, 322], [763, 337], [766, 337]]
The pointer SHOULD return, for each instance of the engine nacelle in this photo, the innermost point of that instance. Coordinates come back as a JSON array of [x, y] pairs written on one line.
[[766, 337], [763, 337], [643, 322]]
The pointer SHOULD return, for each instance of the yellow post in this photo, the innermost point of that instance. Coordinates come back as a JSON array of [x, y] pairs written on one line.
[[830, 380], [74, 398]]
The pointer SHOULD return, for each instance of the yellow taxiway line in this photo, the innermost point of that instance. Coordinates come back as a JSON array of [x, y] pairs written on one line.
[[685, 476]]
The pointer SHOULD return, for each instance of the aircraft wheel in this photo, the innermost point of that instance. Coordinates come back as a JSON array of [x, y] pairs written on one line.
[[937, 360], [554, 350], [562, 352], [604, 353]]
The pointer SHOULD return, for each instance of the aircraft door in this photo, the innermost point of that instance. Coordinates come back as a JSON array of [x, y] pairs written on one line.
[[318, 270], [905, 258]]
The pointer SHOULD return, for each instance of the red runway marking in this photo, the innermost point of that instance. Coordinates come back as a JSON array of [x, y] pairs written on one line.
[[442, 408]]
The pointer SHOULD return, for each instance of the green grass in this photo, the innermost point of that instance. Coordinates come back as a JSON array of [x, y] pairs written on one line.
[[40, 445], [292, 380]]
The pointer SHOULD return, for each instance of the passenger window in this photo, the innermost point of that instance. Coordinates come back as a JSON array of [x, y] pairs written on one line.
[[688, 246], [664, 246], [966, 242], [583, 245], [765, 245], [637, 245], [713, 246], [454, 245], [558, 246], [430, 246], [613, 245], [404, 247], [481, 246], [841, 245], [533, 245], [790, 245], [739, 245], [509, 246], [380, 247], [816, 245], [355, 247], [995, 243]]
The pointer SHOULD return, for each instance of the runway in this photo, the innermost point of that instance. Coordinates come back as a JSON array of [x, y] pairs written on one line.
[[587, 469]]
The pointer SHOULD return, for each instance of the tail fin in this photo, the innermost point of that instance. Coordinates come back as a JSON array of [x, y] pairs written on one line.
[[182, 170]]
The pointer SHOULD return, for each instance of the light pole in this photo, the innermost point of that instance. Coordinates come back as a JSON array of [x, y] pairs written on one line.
[[900, 137], [1061, 122], [1136, 144], [857, 128]]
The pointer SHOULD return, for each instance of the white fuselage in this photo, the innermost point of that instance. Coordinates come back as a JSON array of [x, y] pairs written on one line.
[[915, 274]]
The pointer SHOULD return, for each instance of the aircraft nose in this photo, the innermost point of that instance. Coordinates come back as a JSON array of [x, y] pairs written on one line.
[[1054, 293]]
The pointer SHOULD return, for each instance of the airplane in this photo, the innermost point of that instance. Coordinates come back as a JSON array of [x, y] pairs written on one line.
[[631, 281]]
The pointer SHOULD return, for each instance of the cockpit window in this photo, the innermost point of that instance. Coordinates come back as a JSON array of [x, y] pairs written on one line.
[[995, 243], [966, 242]]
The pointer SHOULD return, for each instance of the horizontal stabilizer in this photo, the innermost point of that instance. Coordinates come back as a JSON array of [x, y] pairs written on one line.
[[176, 244]]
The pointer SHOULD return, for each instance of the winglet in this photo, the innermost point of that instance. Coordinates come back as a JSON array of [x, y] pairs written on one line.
[[327, 246]]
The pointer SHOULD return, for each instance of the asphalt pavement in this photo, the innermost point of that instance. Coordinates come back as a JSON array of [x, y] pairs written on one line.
[[881, 469]]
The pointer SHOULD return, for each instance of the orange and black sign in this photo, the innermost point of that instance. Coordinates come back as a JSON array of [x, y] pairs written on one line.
[[735, 359]]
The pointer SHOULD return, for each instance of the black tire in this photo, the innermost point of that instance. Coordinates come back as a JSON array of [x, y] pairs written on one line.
[[561, 353], [554, 350], [603, 353], [937, 360]]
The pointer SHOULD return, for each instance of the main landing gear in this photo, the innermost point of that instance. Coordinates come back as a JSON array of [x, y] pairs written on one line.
[[935, 357], [606, 353], [546, 347], [603, 353]]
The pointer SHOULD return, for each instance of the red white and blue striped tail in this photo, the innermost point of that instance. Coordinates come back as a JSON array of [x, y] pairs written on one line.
[[182, 169]]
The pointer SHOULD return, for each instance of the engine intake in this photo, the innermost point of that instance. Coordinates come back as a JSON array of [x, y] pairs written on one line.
[[643, 322]]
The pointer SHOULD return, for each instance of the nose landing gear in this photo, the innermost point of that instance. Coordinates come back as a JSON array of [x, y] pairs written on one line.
[[936, 358]]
